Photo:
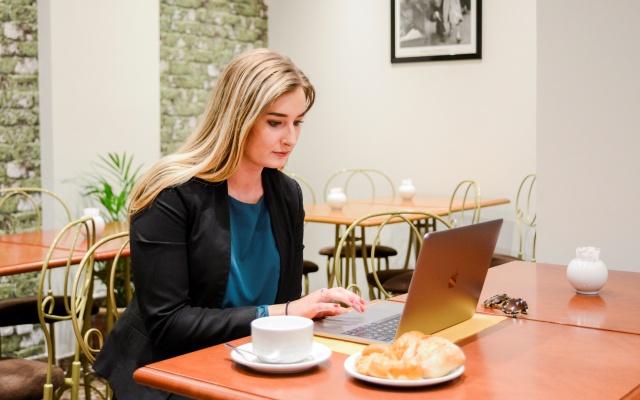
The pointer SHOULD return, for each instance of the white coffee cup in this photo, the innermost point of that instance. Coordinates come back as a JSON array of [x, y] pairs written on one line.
[[282, 339]]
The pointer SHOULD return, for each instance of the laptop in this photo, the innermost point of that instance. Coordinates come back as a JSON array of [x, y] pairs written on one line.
[[444, 291]]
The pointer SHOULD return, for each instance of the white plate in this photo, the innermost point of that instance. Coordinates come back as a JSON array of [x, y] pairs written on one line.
[[319, 354], [350, 367]]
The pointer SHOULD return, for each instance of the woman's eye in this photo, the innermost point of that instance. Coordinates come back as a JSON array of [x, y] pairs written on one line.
[[298, 123], [273, 124]]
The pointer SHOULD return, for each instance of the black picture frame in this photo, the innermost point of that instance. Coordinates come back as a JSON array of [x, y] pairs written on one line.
[[420, 32]]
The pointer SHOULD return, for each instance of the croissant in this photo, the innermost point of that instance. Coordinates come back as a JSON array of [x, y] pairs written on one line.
[[413, 355]]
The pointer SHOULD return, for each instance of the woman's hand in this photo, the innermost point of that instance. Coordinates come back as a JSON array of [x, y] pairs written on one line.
[[325, 302]]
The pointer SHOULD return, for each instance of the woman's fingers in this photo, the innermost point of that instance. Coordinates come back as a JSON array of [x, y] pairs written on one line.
[[342, 295]]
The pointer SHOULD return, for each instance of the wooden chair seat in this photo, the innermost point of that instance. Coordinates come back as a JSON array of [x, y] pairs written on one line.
[[24, 310], [499, 259], [24, 379], [381, 251], [399, 283], [309, 267]]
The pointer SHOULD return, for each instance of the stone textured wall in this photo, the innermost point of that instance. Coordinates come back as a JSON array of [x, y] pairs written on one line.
[[19, 150], [198, 39], [19, 101]]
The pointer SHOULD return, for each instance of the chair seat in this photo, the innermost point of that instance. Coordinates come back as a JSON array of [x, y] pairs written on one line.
[[385, 275], [398, 284], [499, 259], [381, 251], [25, 379], [24, 310], [309, 267]]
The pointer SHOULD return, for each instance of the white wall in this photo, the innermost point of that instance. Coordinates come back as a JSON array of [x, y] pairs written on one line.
[[99, 92], [434, 122], [588, 130], [100, 86]]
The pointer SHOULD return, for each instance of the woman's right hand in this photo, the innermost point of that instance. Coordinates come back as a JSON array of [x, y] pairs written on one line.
[[324, 302]]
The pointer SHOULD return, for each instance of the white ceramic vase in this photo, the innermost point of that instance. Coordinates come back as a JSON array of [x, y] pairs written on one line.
[[94, 213], [336, 198], [587, 273], [406, 189]]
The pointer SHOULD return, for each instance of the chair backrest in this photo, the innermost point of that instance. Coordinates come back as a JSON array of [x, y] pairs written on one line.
[[308, 193], [54, 297], [465, 198], [526, 214], [26, 200], [86, 336], [381, 221], [360, 182]]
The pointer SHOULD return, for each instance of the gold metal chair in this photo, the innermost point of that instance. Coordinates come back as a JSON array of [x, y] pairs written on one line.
[[362, 184], [308, 266], [458, 205], [78, 237], [377, 277], [16, 206], [525, 221], [17, 202], [90, 339], [526, 214], [20, 210]]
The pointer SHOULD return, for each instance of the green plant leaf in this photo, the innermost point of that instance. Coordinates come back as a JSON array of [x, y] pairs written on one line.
[[110, 183]]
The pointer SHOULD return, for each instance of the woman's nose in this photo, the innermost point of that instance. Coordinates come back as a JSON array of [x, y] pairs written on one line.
[[291, 137]]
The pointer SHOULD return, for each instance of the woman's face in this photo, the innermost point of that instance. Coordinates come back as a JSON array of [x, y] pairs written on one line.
[[275, 133]]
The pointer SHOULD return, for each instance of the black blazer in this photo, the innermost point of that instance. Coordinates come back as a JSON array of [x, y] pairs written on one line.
[[180, 258]]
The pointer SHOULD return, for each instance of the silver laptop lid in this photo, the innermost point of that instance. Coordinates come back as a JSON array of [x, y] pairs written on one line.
[[449, 276]]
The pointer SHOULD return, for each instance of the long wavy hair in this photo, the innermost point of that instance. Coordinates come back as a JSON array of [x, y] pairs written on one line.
[[244, 91]]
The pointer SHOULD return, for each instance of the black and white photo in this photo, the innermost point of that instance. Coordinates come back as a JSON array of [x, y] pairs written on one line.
[[431, 30]]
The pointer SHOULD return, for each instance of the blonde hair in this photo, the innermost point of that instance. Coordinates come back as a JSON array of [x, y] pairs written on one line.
[[244, 91]]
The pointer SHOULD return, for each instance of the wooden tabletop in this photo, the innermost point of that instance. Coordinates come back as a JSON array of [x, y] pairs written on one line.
[[552, 299], [512, 359], [356, 208], [26, 252], [430, 201], [19, 258]]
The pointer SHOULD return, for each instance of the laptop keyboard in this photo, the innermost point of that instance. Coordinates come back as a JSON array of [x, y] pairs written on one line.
[[384, 330]]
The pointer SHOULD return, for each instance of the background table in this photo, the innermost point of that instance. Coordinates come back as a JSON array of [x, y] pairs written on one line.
[[16, 258], [357, 208], [26, 252]]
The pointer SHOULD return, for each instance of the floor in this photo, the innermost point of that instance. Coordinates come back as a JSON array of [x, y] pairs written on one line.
[[98, 385], [96, 394]]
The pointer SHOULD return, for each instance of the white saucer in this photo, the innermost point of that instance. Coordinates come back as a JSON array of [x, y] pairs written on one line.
[[350, 367], [319, 354]]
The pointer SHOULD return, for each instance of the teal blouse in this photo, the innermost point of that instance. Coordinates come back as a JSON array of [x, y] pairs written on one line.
[[255, 261]]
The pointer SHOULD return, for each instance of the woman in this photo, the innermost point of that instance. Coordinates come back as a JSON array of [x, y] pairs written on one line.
[[217, 229]]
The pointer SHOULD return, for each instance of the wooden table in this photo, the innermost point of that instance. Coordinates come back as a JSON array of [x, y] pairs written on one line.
[[552, 299], [16, 258], [26, 252], [356, 208], [516, 358]]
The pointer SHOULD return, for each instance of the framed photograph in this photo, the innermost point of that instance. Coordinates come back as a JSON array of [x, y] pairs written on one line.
[[435, 30]]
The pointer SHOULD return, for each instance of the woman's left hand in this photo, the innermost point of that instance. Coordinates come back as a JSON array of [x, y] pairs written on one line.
[[325, 302]]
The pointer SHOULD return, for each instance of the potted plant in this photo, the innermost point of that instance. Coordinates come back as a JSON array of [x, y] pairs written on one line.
[[110, 184]]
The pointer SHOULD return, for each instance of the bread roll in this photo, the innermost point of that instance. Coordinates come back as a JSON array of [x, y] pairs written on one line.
[[381, 366], [406, 342], [437, 356], [413, 355]]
